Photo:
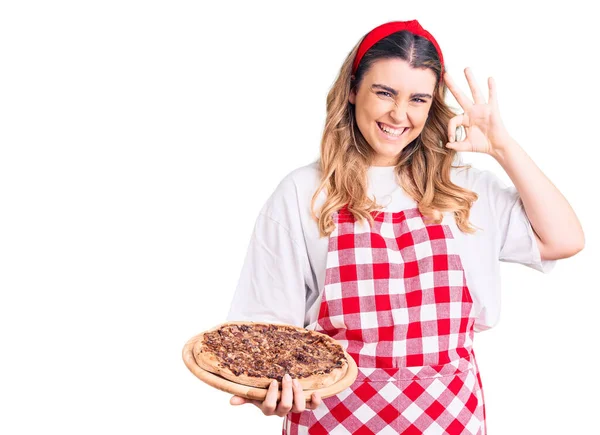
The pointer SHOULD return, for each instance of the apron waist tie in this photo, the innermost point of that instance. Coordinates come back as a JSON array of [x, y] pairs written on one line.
[[395, 374]]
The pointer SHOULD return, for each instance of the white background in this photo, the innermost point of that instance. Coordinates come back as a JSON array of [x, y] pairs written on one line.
[[139, 141]]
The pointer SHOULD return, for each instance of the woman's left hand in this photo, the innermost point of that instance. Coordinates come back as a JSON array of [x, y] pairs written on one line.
[[485, 131]]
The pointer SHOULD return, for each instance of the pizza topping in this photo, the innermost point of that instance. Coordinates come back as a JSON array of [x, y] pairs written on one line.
[[271, 351]]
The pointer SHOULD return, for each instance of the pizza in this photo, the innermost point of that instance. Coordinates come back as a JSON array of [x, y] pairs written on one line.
[[255, 353]]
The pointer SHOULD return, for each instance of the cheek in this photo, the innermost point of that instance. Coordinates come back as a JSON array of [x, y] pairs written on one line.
[[373, 109], [365, 118], [420, 120], [418, 125]]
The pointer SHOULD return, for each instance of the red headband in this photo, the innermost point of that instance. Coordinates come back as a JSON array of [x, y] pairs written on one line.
[[387, 29]]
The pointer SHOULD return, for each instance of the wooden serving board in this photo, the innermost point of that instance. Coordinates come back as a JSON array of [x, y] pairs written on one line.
[[255, 393]]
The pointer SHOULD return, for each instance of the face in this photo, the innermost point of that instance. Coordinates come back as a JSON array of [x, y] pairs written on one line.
[[397, 97]]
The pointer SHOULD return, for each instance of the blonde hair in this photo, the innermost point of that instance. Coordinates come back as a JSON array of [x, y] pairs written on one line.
[[423, 167]]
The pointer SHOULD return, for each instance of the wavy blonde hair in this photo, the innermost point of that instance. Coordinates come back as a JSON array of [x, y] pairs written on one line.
[[423, 167]]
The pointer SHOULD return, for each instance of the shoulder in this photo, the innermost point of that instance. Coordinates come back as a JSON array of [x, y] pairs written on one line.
[[292, 192], [480, 181], [302, 178], [306, 176]]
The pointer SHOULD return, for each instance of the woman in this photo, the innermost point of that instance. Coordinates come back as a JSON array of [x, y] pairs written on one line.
[[392, 247]]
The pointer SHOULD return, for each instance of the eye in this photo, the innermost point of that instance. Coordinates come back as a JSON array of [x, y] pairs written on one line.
[[387, 94]]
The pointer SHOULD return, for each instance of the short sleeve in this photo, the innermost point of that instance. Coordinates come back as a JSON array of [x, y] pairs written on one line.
[[518, 243], [271, 284]]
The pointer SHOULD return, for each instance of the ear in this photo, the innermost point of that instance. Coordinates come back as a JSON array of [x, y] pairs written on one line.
[[352, 96]]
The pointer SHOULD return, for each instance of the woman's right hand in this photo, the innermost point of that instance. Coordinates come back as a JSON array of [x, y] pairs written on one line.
[[292, 399]]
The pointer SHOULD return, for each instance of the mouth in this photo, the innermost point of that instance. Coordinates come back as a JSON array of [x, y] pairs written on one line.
[[390, 133]]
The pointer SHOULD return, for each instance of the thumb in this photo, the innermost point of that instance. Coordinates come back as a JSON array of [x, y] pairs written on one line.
[[237, 400], [462, 145]]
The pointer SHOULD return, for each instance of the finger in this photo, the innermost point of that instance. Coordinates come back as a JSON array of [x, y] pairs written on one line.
[[285, 404], [461, 98], [454, 123], [238, 400], [315, 401], [477, 94], [493, 99], [299, 399], [270, 403], [463, 145]]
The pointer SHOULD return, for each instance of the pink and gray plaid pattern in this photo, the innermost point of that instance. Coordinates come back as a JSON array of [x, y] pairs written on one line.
[[396, 297]]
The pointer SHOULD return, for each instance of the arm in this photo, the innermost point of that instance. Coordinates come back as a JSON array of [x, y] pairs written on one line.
[[271, 285], [558, 230]]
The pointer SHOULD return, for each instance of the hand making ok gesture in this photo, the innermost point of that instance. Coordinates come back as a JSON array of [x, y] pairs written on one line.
[[485, 130]]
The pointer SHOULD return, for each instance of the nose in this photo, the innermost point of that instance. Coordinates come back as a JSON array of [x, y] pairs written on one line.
[[399, 112]]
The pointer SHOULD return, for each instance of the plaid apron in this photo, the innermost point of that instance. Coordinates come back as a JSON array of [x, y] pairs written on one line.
[[396, 298]]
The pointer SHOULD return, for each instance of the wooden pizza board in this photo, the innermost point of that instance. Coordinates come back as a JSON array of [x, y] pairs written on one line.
[[256, 393]]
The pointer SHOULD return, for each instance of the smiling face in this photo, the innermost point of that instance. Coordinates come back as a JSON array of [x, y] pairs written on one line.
[[396, 97]]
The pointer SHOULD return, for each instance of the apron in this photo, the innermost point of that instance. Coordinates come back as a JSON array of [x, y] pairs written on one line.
[[397, 300]]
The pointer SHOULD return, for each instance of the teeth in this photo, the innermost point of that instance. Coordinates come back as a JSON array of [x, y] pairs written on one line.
[[390, 131]]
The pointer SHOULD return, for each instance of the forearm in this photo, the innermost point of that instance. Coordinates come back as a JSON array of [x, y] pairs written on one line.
[[551, 216]]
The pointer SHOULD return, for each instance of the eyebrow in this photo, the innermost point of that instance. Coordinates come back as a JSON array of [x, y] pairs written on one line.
[[395, 92]]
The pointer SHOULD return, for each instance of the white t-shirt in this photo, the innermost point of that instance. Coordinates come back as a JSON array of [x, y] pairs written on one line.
[[283, 274]]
